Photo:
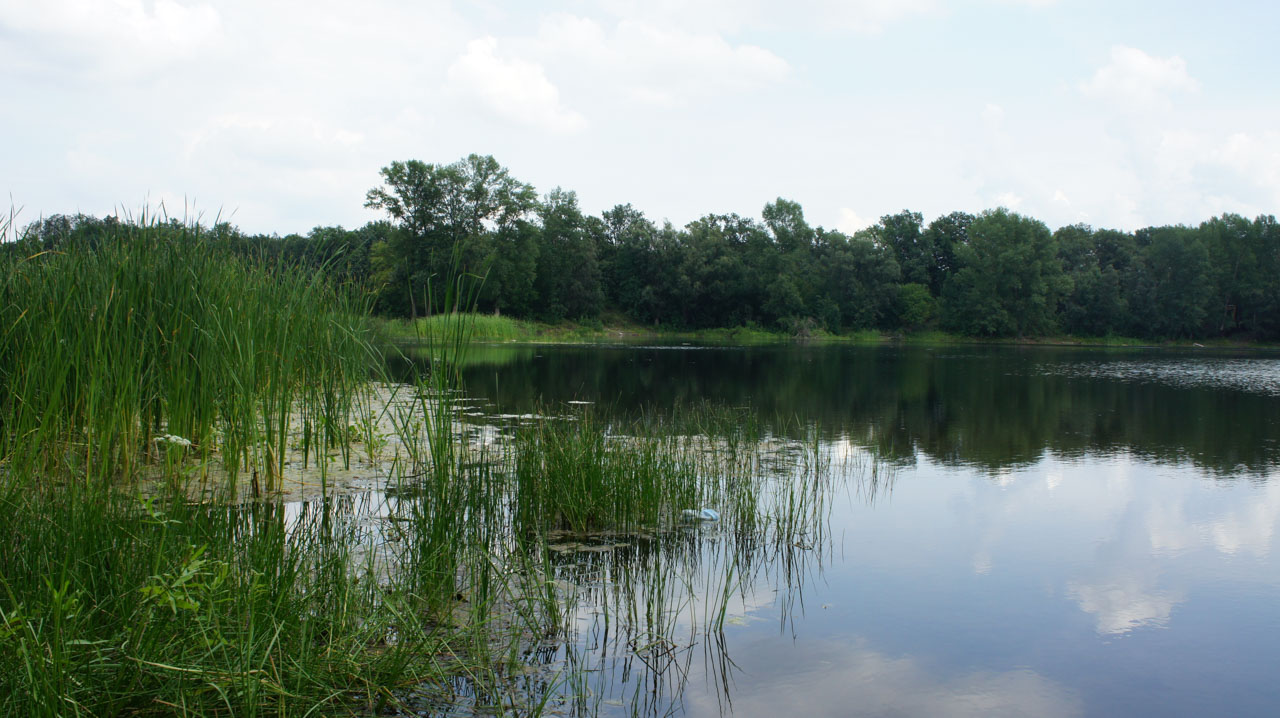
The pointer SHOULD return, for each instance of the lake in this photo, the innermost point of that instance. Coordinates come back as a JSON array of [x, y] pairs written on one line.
[[1008, 531]]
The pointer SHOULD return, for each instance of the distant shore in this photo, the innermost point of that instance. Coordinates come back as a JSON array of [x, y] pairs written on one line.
[[497, 329]]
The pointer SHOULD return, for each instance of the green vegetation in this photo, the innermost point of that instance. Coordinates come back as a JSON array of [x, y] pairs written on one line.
[[150, 369], [583, 477], [492, 330], [995, 274], [143, 356], [156, 379], [483, 328], [150, 332]]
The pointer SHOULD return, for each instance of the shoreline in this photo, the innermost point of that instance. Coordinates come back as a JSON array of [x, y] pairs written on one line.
[[501, 330]]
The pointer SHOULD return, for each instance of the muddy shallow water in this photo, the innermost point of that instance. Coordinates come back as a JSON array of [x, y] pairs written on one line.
[[1052, 533]]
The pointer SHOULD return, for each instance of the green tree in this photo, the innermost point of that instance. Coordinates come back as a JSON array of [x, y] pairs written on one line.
[[441, 208], [1173, 288], [944, 235], [911, 246], [1010, 278], [1236, 257], [915, 306], [792, 287], [859, 276], [568, 275], [1095, 306]]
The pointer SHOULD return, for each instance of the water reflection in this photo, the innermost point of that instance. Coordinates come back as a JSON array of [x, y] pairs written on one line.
[[986, 407], [848, 677], [1126, 601], [1047, 544]]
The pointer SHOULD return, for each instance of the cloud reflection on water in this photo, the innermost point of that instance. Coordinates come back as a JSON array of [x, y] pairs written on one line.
[[1125, 603], [1145, 534], [830, 678]]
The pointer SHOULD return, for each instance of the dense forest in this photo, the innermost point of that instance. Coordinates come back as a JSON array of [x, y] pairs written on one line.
[[992, 274]]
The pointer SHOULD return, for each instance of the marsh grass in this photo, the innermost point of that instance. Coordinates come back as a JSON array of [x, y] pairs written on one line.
[[153, 332], [480, 327], [648, 592], [169, 607], [154, 353]]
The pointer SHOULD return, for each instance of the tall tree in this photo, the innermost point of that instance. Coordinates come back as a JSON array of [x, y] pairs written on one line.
[[1173, 288], [1010, 278], [859, 275], [442, 207], [627, 259], [568, 276], [1236, 256], [911, 246], [944, 236], [1095, 305]]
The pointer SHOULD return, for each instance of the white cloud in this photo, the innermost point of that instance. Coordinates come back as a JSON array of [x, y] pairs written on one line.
[[711, 58], [870, 16], [1137, 80], [1009, 200], [849, 222], [1251, 529], [701, 105], [653, 65], [1256, 159], [1143, 150], [513, 88], [106, 36], [993, 116], [271, 140], [859, 16]]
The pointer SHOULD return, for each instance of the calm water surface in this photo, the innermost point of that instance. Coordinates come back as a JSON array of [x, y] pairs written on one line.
[[1065, 533]]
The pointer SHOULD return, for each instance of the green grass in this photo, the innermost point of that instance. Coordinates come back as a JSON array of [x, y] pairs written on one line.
[[121, 593], [491, 329], [581, 476], [119, 597], [154, 332], [480, 327]]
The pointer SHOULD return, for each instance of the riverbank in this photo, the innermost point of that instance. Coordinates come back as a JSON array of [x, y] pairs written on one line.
[[487, 328]]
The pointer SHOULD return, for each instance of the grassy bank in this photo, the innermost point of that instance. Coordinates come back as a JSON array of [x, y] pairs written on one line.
[[497, 329]]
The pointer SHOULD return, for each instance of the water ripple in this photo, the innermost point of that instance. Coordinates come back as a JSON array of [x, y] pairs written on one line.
[[1255, 376]]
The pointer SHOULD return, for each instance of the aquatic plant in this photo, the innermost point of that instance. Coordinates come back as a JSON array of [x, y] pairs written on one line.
[[152, 331], [151, 361]]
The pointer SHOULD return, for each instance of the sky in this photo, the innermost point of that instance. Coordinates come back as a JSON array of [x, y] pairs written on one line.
[[276, 115]]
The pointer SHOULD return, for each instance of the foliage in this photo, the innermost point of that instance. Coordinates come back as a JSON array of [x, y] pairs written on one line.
[[1010, 278], [114, 339], [996, 274], [915, 305]]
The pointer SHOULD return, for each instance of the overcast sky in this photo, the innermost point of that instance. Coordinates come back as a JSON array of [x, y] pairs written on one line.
[[280, 114]]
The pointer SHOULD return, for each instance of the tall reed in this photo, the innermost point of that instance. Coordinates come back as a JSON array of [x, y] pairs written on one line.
[[150, 351], [112, 348]]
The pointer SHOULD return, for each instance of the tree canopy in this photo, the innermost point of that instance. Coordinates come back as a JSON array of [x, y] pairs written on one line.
[[996, 273]]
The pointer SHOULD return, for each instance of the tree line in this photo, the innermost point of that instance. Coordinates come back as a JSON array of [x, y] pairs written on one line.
[[992, 274]]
